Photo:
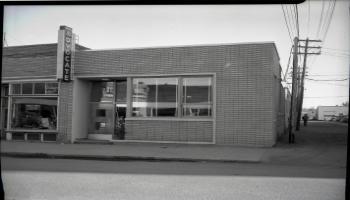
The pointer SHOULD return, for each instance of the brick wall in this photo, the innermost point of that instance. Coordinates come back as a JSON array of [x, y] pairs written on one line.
[[29, 61], [246, 92], [65, 112], [179, 131]]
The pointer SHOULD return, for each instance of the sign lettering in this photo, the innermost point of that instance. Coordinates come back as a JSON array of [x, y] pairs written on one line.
[[67, 56]]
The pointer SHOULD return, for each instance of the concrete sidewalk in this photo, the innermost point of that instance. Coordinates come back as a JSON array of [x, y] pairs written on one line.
[[134, 151], [319, 144]]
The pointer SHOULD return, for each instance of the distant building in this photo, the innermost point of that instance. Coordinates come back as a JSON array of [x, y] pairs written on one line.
[[311, 112], [204, 94], [328, 112]]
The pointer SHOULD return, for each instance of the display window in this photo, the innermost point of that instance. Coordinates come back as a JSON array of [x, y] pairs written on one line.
[[33, 106], [159, 96], [38, 113], [155, 97]]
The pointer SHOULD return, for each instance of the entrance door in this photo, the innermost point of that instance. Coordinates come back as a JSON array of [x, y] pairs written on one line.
[[120, 109], [102, 118], [107, 110]]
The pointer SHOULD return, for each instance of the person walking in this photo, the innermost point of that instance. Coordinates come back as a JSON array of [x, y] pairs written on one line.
[[305, 118]]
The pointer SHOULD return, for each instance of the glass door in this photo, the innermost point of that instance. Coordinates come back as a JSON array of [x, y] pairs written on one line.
[[120, 109], [102, 118]]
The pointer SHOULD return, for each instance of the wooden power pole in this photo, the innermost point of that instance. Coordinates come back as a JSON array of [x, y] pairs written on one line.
[[301, 95], [300, 101], [294, 85]]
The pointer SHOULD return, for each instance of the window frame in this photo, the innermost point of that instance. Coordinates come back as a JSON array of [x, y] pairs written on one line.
[[11, 128], [11, 95], [33, 88], [179, 95], [156, 96]]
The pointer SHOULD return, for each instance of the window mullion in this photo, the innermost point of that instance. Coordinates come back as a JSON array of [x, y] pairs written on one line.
[[33, 85], [179, 97]]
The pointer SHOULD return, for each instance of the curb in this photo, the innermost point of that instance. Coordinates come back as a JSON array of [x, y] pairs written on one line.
[[117, 158]]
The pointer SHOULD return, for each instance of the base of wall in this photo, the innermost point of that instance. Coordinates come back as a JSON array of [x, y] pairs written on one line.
[[100, 136]]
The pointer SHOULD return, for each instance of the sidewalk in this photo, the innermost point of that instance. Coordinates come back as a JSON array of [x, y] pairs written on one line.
[[319, 144], [134, 151]]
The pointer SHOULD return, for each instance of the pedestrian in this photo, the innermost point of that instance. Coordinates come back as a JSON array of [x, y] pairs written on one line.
[[305, 118]]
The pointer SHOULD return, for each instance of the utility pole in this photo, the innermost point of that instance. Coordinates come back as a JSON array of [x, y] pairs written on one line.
[[301, 95], [300, 102], [294, 84]]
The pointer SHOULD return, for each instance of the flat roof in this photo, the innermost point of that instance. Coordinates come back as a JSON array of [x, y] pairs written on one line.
[[160, 47], [190, 45]]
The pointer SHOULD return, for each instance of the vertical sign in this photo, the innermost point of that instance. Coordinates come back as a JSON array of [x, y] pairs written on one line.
[[64, 53]]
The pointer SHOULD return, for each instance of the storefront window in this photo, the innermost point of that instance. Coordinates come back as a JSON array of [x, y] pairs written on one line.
[[34, 113], [39, 88], [34, 88], [4, 107], [27, 88], [155, 97], [51, 88], [197, 96], [16, 88]]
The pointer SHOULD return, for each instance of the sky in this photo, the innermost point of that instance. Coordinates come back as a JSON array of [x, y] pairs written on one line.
[[127, 26]]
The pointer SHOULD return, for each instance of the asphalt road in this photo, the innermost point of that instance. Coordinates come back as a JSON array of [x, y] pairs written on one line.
[[83, 179]]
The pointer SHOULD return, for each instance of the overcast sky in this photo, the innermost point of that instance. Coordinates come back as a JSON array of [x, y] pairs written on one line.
[[124, 26]]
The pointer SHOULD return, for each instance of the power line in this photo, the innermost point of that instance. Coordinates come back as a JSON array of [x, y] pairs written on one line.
[[292, 18], [321, 18], [340, 50], [308, 18], [326, 21], [329, 97], [328, 79], [326, 18], [329, 22], [285, 20], [290, 54], [336, 53], [297, 18], [329, 75], [332, 84]]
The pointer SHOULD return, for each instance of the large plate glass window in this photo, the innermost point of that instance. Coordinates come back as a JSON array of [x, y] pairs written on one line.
[[34, 105], [155, 97], [34, 113], [197, 96]]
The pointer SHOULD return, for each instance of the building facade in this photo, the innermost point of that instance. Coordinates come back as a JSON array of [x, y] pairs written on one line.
[[204, 94], [328, 112]]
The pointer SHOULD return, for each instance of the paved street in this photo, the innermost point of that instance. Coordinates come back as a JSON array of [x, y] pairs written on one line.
[[164, 185], [313, 168], [169, 168]]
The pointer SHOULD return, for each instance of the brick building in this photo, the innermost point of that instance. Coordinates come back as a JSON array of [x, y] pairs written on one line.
[[211, 94]]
